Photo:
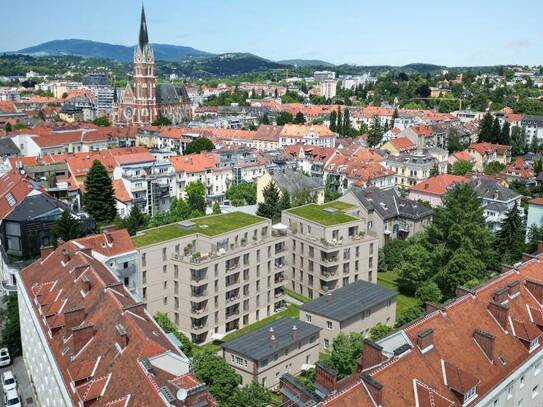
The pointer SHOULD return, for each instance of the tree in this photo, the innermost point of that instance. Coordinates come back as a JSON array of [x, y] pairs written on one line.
[[265, 119], [538, 166], [534, 235], [407, 315], [434, 171], [339, 121], [253, 395], [168, 326], [284, 118], [67, 227], [216, 208], [461, 167], [429, 292], [493, 168], [199, 145], [453, 141], [346, 350], [330, 193], [8, 127], [101, 121], [496, 131], [196, 196], [391, 254], [375, 134], [505, 138], [299, 118], [414, 269], [11, 332], [270, 208], [379, 331], [284, 203], [303, 197], [518, 140], [221, 379], [162, 121], [135, 221], [99, 197], [510, 237], [346, 131], [485, 129], [243, 193], [333, 121]]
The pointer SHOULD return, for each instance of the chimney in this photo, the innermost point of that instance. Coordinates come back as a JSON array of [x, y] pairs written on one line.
[[46, 251], [65, 256], [514, 288], [500, 312], [122, 336], [74, 317], [273, 342], [86, 284], [108, 237], [329, 298], [294, 332], [501, 295], [325, 377], [78, 270], [486, 342], [87, 251], [81, 335], [461, 291], [372, 355], [374, 388], [138, 309], [536, 288], [526, 257], [425, 340]]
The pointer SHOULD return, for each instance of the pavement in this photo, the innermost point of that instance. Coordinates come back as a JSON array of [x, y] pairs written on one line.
[[23, 383]]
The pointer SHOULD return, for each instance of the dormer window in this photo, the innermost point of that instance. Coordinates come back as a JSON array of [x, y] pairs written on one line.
[[534, 343], [470, 395]]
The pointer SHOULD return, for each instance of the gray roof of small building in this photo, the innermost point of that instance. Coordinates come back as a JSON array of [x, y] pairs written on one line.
[[492, 190], [539, 176], [257, 345], [294, 181], [537, 119], [166, 94], [35, 206], [349, 301], [8, 147], [388, 204], [412, 159]]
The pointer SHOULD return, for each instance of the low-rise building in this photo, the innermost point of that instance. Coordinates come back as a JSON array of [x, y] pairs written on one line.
[[434, 188], [315, 135], [535, 214], [397, 146], [294, 183], [485, 153], [411, 168], [356, 307], [286, 345]]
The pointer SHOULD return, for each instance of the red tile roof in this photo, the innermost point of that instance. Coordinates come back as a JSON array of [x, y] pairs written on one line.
[[7, 107], [438, 184], [99, 325], [519, 168], [14, 188], [462, 155], [402, 144], [194, 162], [488, 148], [108, 244], [121, 193], [300, 130]]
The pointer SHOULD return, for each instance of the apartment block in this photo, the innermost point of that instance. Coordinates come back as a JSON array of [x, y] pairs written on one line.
[[215, 274], [328, 247]]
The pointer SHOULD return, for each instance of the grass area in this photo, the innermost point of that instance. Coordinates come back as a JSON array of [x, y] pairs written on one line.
[[338, 205], [324, 357], [388, 280], [291, 311], [296, 296], [316, 213], [208, 225]]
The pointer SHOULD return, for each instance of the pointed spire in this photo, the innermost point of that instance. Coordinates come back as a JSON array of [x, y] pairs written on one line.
[[144, 37]]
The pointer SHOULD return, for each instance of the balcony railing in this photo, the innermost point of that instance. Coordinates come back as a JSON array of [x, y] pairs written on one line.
[[199, 293], [198, 327]]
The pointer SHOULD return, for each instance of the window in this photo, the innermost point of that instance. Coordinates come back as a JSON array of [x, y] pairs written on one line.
[[308, 318], [326, 344], [329, 324], [534, 344], [470, 395], [535, 391]]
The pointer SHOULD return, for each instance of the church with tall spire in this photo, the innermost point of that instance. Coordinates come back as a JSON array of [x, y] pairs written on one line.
[[144, 101]]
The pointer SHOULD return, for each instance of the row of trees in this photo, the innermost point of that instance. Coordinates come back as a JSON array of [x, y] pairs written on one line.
[[275, 201]]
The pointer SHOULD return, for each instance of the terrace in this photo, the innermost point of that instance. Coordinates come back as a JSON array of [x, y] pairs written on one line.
[[329, 214], [208, 225]]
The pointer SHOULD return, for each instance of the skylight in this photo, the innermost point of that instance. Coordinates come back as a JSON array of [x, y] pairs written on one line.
[[11, 199]]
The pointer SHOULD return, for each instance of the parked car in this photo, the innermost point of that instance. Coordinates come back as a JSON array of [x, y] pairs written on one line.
[[11, 399], [8, 381], [5, 359]]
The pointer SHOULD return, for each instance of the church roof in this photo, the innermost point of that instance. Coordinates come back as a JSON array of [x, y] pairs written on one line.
[[166, 94], [144, 36]]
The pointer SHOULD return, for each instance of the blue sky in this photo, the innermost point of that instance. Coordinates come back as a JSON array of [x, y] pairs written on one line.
[[397, 32]]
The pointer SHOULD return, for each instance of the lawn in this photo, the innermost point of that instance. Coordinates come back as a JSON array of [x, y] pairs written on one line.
[[338, 205], [316, 213], [296, 296], [207, 225], [388, 280]]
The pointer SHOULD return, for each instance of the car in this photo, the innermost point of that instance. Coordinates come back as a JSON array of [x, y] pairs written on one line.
[[5, 359], [8, 381], [11, 399]]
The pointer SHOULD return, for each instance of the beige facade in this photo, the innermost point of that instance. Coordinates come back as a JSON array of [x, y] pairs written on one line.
[[210, 286], [322, 258]]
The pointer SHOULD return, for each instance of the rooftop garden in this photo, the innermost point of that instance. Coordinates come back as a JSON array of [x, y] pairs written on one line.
[[208, 225], [318, 213]]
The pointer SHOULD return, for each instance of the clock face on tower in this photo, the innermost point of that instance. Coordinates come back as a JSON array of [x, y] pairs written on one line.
[[128, 113]]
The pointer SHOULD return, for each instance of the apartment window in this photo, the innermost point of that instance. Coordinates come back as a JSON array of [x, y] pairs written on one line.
[[164, 254], [164, 268], [269, 251], [165, 300], [509, 392], [144, 277], [522, 381], [371, 248], [245, 274], [470, 395], [246, 259], [370, 262], [258, 255], [144, 259], [258, 286], [165, 284], [144, 292], [302, 248], [246, 289], [216, 270], [311, 251], [308, 318], [357, 251], [175, 271], [258, 271], [310, 265], [329, 324], [294, 245]]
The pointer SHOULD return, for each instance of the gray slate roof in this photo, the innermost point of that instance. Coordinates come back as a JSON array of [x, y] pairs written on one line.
[[35, 206], [491, 190], [349, 301], [166, 94], [256, 345], [8, 147], [294, 181], [388, 204]]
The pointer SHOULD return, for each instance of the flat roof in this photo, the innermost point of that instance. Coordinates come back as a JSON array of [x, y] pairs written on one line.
[[207, 225], [320, 214], [257, 344], [349, 301]]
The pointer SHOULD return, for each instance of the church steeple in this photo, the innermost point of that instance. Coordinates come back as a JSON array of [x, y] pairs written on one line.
[[144, 37]]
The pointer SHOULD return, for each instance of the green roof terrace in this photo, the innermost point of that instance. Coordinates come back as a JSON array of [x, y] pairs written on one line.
[[329, 214], [208, 225]]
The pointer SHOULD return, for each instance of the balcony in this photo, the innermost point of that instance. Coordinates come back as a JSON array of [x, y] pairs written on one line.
[[232, 299], [279, 264], [198, 327], [279, 278], [280, 248], [198, 293], [278, 293], [329, 259], [198, 311]]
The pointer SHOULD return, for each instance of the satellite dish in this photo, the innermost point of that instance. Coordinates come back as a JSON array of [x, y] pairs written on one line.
[[181, 394]]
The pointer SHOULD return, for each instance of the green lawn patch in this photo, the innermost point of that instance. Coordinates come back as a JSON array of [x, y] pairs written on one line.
[[291, 311], [388, 280], [324, 357], [316, 213], [208, 225], [296, 296], [338, 205]]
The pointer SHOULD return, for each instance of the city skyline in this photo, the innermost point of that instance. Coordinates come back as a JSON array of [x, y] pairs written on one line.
[[477, 34]]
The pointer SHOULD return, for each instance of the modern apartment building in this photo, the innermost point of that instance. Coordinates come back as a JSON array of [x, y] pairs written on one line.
[[328, 247], [214, 274]]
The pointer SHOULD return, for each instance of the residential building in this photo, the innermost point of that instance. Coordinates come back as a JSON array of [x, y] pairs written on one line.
[[293, 182], [9, 94], [95, 79], [535, 214], [320, 76], [213, 275], [533, 127], [520, 170], [433, 189], [411, 168], [86, 341], [482, 348], [484, 153], [357, 307], [328, 247], [424, 136], [310, 159], [316, 135], [267, 137], [264, 354], [328, 88], [460, 156], [397, 146], [388, 215]]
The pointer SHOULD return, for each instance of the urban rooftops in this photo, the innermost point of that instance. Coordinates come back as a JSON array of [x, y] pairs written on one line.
[[325, 214], [349, 301], [208, 225]]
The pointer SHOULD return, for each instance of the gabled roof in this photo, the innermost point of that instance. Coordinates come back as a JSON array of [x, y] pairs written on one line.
[[268, 132], [122, 194], [35, 206], [13, 190], [194, 162], [301, 130], [108, 244], [293, 181], [438, 184], [490, 189], [402, 144], [489, 148]]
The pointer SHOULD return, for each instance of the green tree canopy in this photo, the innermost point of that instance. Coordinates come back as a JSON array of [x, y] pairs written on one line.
[[493, 168], [101, 121], [299, 118], [375, 133], [379, 331], [429, 292], [284, 203], [162, 121], [99, 197], [271, 207], [407, 315], [461, 167], [265, 119], [168, 326], [284, 118], [485, 129], [196, 196], [67, 227], [243, 193], [253, 395], [346, 349], [199, 145], [216, 208], [510, 237], [221, 379]]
